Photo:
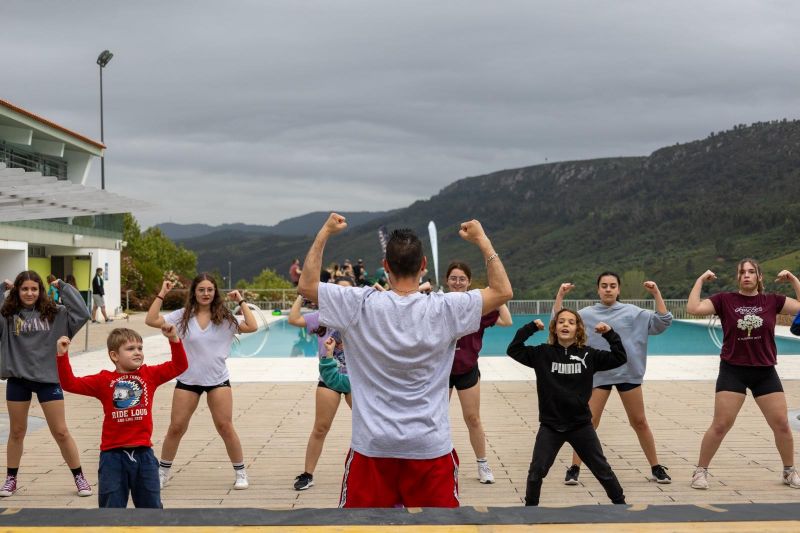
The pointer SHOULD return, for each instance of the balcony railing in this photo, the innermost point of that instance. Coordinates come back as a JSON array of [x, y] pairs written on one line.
[[16, 157]]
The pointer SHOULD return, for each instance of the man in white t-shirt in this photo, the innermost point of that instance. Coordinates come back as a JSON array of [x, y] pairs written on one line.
[[400, 348]]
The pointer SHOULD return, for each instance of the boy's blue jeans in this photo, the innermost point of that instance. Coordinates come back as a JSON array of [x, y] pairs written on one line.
[[131, 471]]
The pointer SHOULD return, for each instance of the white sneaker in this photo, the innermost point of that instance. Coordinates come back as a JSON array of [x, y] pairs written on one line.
[[485, 474], [700, 478], [791, 478], [241, 482], [163, 477]]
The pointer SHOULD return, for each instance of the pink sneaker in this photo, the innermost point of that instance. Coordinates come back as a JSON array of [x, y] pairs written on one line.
[[84, 489], [9, 487]]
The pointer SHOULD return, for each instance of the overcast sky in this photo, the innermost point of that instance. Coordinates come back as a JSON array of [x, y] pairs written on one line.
[[256, 111]]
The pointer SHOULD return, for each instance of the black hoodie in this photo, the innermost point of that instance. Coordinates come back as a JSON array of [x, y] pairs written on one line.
[[564, 375]]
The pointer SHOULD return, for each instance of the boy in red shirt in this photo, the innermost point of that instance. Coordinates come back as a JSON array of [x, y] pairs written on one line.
[[127, 463]]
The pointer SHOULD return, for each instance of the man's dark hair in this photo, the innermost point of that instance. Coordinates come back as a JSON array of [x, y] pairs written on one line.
[[404, 253]]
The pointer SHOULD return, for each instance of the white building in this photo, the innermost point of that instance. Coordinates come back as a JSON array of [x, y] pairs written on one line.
[[50, 222]]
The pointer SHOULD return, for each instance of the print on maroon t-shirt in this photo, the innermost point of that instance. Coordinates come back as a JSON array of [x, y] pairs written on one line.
[[469, 346], [748, 327]]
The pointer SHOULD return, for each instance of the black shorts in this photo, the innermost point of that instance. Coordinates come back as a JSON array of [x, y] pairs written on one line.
[[760, 380], [621, 387], [21, 390], [200, 389], [466, 380], [321, 384]]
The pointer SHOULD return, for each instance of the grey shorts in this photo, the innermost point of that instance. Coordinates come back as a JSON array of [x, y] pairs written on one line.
[[98, 300]]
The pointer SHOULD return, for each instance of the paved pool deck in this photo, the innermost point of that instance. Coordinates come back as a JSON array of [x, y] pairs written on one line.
[[274, 409]]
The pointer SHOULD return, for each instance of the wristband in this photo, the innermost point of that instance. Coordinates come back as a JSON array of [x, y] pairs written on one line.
[[242, 301], [160, 297], [492, 258]]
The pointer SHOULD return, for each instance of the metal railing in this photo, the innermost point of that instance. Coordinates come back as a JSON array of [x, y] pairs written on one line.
[[20, 158], [545, 307]]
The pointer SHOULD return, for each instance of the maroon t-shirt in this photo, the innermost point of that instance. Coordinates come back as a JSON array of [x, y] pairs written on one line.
[[748, 327], [469, 346]]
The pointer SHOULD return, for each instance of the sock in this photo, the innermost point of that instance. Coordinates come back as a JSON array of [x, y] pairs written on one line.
[[12, 471], [785, 468], [238, 466], [76, 471], [166, 465], [482, 459]]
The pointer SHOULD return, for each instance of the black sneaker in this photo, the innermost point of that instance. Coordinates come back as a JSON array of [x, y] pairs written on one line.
[[660, 474], [303, 481], [572, 475]]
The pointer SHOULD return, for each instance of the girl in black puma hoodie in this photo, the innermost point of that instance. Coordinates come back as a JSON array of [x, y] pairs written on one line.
[[564, 368]]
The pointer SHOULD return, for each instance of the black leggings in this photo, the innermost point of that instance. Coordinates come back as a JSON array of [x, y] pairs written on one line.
[[585, 442]]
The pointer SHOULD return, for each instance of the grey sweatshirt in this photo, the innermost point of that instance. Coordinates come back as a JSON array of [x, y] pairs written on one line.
[[634, 325], [28, 343]]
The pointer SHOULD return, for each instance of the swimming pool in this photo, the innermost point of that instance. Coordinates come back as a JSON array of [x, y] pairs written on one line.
[[681, 338]]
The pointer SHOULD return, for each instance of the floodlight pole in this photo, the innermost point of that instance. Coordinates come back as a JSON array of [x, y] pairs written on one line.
[[102, 60]]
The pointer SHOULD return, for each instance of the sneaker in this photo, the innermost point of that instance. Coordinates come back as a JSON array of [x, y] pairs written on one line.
[[572, 475], [9, 487], [790, 477], [660, 474], [241, 480], [163, 477], [109, 320], [84, 489], [485, 474], [304, 481], [95, 321], [700, 478]]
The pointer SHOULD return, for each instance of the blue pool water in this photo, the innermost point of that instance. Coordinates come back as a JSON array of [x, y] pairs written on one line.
[[682, 338]]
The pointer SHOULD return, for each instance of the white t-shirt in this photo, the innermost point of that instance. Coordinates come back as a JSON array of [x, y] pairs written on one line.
[[207, 349], [399, 354]]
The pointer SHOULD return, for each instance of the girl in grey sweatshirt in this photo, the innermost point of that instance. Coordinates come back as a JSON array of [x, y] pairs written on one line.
[[30, 325], [634, 326]]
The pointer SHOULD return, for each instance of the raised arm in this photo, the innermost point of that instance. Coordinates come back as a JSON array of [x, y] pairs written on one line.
[[499, 290], [77, 312], [616, 357], [295, 316], [517, 349], [563, 289], [69, 382], [504, 320], [250, 323], [792, 306], [309, 279], [697, 306], [154, 318]]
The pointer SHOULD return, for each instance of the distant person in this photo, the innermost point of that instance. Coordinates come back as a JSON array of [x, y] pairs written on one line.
[[360, 273], [71, 280], [98, 296], [399, 360], [634, 325], [327, 397], [30, 325], [564, 368], [52, 290], [128, 467], [465, 376], [747, 361], [207, 328], [295, 271]]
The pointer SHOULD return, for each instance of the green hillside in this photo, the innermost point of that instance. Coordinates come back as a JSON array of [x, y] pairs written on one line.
[[683, 209]]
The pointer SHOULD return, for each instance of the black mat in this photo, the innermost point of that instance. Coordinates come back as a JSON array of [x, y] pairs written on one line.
[[583, 514]]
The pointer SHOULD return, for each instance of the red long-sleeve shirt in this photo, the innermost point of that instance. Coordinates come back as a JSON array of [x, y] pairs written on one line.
[[127, 398]]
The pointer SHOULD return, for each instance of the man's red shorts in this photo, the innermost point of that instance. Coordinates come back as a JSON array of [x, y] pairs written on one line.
[[386, 482]]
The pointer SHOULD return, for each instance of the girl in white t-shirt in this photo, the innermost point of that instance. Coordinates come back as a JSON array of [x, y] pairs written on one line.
[[207, 328]]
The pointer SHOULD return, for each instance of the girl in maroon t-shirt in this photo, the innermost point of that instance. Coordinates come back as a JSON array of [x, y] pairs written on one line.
[[465, 375], [748, 360]]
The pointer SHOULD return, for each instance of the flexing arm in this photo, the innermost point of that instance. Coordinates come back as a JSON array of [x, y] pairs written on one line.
[[792, 306], [295, 316], [308, 285], [69, 382], [563, 289], [504, 320], [179, 363], [154, 318], [517, 349], [77, 312], [499, 290], [250, 323], [606, 360], [696, 306]]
